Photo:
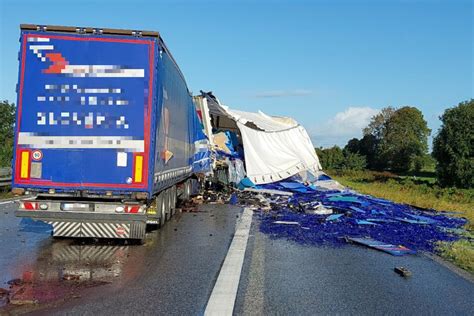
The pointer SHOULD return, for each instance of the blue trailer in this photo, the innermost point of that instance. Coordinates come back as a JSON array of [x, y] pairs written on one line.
[[107, 135]]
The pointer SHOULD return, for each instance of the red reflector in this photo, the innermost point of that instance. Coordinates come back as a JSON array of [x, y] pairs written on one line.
[[132, 209], [30, 206]]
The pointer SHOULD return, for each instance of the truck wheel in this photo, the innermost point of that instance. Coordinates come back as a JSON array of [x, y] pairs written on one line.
[[173, 200], [168, 204], [187, 190], [162, 209]]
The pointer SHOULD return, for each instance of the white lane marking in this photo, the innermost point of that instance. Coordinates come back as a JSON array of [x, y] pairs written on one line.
[[16, 200], [7, 202], [223, 295]]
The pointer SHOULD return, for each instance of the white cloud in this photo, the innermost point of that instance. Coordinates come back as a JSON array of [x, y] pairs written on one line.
[[342, 127], [283, 93]]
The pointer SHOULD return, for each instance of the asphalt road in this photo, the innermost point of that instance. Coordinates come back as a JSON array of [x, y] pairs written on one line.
[[175, 271]]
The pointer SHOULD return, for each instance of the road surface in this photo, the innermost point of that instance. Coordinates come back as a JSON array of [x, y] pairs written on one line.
[[175, 273]]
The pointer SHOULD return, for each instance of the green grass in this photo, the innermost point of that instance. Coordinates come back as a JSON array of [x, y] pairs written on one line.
[[420, 190], [5, 193]]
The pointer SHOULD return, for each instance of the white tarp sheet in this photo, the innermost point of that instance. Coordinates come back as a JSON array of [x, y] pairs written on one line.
[[277, 155], [278, 149]]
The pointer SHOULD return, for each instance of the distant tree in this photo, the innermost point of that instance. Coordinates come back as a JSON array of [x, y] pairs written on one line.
[[453, 146], [373, 135], [378, 123], [405, 139], [353, 146], [369, 147], [366, 148], [7, 122]]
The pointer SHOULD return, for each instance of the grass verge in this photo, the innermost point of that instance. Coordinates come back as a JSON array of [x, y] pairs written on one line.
[[5, 193], [420, 192]]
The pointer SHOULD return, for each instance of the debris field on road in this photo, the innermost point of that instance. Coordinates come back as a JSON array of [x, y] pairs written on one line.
[[317, 216]]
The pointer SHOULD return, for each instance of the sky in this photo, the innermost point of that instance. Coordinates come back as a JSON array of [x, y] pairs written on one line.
[[331, 65]]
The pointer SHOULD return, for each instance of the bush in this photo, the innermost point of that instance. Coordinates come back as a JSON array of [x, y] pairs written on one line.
[[335, 158], [7, 122]]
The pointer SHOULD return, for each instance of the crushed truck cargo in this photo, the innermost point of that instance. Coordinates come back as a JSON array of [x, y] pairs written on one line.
[[274, 157], [107, 135]]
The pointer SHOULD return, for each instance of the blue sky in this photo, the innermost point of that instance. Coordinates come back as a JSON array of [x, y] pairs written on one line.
[[329, 64]]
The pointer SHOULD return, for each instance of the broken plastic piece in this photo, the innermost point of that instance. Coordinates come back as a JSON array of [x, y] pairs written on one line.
[[343, 198], [286, 223], [423, 218], [354, 208], [380, 220], [379, 245], [233, 199], [333, 217], [411, 221], [363, 222], [402, 271]]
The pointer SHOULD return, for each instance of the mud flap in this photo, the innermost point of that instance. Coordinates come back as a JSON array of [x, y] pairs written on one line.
[[116, 230]]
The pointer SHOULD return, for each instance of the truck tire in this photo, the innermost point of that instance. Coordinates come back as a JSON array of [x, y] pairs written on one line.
[[187, 189], [162, 209], [168, 204], [173, 199]]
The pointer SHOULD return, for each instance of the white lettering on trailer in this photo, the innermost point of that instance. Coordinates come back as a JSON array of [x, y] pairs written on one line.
[[86, 142]]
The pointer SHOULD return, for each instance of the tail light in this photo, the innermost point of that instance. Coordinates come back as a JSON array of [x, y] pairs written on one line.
[[29, 206], [132, 208], [33, 206], [129, 209]]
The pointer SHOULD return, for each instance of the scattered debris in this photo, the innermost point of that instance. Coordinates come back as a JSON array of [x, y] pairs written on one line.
[[333, 217], [319, 209], [71, 277], [286, 223], [389, 248], [277, 192], [402, 271], [14, 301], [329, 216], [364, 222]]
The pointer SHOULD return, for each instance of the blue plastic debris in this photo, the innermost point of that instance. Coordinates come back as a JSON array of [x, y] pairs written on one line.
[[411, 221], [364, 222], [391, 223], [423, 218], [356, 209], [389, 248], [246, 183], [344, 198], [333, 217], [380, 220], [233, 199]]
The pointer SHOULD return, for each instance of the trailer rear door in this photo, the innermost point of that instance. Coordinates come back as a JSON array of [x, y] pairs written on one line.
[[84, 110]]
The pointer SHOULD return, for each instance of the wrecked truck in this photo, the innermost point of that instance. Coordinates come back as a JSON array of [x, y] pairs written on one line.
[[107, 136]]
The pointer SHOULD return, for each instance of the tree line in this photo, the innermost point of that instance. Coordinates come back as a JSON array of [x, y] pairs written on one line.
[[397, 140]]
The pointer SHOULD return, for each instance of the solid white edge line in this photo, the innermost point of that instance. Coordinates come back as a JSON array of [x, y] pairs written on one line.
[[222, 299], [16, 200]]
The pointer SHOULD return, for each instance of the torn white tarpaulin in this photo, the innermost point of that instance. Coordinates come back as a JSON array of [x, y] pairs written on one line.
[[275, 148], [277, 155]]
